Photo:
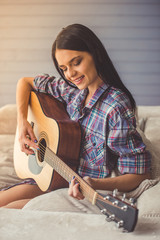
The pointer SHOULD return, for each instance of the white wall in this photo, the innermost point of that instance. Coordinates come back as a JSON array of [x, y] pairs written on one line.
[[129, 29]]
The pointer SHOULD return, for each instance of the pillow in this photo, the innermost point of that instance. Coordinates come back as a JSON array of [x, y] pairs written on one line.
[[147, 111], [60, 201], [152, 130], [8, 122], [155, 152], [149, 203], [8, 119], [8, 176], [141, 123]]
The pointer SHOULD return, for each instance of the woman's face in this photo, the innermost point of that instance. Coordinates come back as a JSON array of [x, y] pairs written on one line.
[[78, 68]]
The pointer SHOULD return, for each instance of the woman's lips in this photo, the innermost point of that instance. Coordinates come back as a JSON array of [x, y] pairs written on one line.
[[78, 80]]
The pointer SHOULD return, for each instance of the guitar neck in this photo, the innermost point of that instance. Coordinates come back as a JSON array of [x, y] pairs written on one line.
[[67, 173]]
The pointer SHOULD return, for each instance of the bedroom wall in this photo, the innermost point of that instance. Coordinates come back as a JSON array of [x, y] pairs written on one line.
[[129, 29]]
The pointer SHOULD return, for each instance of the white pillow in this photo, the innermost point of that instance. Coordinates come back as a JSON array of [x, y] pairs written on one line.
[[155, 165], [8, 119], [149, 202], [8, 176]]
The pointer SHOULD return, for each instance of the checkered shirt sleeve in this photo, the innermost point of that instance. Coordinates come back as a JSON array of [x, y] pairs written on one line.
[[125, 141]]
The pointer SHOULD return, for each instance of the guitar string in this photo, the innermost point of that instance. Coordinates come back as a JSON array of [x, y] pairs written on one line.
[[64, 166]]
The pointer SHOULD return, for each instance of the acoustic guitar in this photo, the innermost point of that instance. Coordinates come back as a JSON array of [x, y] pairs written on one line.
[[55, 163]]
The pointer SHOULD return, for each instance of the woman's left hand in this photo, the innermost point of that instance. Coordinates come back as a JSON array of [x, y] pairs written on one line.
[[74, 188]]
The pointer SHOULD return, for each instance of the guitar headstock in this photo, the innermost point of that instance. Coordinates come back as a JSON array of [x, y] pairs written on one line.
[[125, 214]]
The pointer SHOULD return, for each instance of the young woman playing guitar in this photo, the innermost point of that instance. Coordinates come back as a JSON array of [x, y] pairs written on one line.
[[94, 96]]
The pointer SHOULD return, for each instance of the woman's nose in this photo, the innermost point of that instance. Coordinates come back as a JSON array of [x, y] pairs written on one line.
[[71, 73]]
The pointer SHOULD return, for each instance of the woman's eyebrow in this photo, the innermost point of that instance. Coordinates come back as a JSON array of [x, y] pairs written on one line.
[[70, 61]]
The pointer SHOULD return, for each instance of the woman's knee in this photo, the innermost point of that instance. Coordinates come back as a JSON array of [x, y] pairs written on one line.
[[19, 192]]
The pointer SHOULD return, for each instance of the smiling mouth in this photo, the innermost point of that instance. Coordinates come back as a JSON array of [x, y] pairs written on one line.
[[78, 80]]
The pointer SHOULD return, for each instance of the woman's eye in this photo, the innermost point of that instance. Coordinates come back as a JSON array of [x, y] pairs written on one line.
[[77, 62], [64, 70]]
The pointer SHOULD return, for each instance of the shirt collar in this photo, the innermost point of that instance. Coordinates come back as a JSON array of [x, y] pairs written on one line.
[[81, 96], [98, 93]]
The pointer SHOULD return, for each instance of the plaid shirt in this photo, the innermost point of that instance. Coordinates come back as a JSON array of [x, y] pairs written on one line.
[[108, 128]]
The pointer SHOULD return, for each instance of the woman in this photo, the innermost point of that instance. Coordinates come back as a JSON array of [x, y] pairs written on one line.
[[96, 97]]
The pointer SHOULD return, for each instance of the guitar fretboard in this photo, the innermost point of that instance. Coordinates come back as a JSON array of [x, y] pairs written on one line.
[[67, 173]]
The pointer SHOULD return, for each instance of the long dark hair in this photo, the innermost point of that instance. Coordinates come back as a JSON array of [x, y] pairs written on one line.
[[80, 38]]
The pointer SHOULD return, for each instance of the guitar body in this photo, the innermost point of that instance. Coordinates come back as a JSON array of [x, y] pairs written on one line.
[[54, 130]]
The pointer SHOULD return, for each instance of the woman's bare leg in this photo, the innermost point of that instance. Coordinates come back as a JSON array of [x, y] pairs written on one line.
[[18, 196], [19, 204]]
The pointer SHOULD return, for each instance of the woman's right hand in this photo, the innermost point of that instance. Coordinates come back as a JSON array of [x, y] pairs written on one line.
[[27, 138]]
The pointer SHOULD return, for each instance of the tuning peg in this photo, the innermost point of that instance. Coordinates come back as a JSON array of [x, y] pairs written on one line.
[[104, 210], [124, 208], [123, 197], [108, 219], [107, 197], [120, 224], [115, 192], [132, 201], [112, 217], [115, 203]]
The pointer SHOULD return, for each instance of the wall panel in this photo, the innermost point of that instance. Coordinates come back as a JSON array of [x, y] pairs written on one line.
[[129, 29]]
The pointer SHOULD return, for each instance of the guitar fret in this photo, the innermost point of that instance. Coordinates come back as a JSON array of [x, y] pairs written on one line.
[[60, 167]]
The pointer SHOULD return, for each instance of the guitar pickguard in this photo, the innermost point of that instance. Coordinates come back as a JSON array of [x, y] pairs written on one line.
[[33, 165]]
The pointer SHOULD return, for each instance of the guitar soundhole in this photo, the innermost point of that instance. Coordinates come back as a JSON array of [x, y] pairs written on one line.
[[42, 148]]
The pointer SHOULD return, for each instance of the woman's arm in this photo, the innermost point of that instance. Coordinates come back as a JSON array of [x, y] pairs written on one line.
[[24, 87], [123, 183]]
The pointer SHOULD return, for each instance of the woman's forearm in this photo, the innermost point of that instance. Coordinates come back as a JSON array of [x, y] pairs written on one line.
[[123, 183], [24, 87]]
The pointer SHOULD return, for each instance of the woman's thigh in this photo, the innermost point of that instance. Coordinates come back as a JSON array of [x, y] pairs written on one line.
[[19, 192]]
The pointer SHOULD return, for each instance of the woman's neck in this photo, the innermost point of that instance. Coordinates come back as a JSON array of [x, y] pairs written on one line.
[[91, 90]]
